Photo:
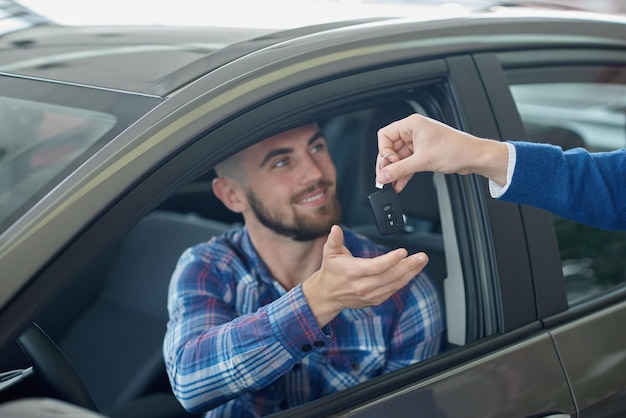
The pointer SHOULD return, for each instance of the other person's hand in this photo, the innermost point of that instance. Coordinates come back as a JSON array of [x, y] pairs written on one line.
[[418, 143]]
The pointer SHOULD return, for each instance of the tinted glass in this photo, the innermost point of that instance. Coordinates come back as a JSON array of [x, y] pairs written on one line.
[[587, 110], [39, 140]]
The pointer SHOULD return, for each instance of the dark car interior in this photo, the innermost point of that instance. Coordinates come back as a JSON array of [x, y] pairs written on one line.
[[110, 322]]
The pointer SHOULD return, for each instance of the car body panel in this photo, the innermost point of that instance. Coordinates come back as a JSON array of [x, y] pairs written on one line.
[[523, 350], [503, 384], [592, 352]]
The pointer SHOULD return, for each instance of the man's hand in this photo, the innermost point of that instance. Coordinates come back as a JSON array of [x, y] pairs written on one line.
[[344, 281], [417, 143]]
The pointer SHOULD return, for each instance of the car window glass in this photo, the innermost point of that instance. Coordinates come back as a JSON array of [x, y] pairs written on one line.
[[37, 141], [588, 111]]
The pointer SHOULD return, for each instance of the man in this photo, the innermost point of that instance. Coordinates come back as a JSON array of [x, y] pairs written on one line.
[[291, 307], [575, 184]]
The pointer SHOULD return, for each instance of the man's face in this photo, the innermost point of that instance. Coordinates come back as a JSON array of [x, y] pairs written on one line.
[[291, 184]]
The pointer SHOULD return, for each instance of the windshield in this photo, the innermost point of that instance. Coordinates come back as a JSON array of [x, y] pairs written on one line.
[[37, 142]]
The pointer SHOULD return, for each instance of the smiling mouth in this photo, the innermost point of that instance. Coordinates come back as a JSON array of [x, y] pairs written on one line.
[[312, 198], [315, 194]]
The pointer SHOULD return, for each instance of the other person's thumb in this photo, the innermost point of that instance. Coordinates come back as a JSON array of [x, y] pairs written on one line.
[[399, 172]]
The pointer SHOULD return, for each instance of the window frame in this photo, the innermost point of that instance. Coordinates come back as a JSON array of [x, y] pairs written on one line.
[[552, 305], [309, 103]]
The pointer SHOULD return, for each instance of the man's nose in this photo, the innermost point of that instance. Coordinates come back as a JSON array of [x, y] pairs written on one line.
[[311, 170]]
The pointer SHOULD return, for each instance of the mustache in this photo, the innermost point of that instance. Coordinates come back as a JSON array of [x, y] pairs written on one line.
[[320, 184]]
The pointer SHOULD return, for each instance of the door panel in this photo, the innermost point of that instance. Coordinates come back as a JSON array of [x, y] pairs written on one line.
[[592, 351], [572, 100], [523, 380]]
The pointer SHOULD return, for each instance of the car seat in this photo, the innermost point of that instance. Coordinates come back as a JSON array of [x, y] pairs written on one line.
[[115, 344]]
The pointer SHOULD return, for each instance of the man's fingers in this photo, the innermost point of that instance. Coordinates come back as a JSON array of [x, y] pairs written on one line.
[[392, 263], [408, 267], [412, 265], [382, 263], [377, 288]]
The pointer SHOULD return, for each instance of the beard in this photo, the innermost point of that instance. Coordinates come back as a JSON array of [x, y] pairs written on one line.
[[303, 227]]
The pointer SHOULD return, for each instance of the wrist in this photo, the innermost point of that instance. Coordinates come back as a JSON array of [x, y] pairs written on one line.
[[492, 160], [321, 306]]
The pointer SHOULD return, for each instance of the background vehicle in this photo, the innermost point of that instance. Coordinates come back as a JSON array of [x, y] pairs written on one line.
[[109, 136]]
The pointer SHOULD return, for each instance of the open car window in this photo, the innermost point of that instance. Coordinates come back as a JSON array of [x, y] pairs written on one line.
[[427, 211], [113, 289]]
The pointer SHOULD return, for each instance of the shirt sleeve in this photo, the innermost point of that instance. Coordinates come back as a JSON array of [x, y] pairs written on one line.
[[574, 184], [494, 188], [212, 353]]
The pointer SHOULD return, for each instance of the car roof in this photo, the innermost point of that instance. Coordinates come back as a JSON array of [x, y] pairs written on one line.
[[153, 60], [158, 60]]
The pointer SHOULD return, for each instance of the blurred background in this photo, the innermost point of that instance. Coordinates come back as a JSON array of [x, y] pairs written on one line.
[[254, 13]]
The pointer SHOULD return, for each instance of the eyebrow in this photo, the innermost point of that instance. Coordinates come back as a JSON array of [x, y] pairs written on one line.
[[281, 151]]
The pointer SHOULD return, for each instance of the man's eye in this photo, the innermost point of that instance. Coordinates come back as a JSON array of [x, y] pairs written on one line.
[[318, 148], [283, 162]]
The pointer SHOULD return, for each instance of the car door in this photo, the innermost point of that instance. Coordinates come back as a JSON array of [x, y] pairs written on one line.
[[498, 359], [573, 98]]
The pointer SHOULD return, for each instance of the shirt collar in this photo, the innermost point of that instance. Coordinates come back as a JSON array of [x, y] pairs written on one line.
[[258, 267]]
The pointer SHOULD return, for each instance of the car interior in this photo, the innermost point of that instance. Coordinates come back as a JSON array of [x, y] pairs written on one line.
[[110, 322]]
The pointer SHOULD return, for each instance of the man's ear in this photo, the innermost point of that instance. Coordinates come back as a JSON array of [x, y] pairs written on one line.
[[230, 193]]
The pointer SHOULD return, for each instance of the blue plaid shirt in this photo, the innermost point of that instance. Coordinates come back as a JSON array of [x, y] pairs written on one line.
[[239, 345]]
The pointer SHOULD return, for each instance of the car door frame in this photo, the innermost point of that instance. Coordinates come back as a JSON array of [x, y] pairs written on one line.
[[589, 351], [517, 322], [519, 330]]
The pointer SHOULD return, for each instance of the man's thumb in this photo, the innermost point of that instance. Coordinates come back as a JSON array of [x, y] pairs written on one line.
[[334, 243]]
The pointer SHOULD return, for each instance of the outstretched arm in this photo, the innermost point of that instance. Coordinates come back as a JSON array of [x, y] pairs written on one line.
[[577, 185], [221, 342], [214, 354]]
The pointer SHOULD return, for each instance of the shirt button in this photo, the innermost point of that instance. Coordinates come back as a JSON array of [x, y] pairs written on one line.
[[319, 343], [296, 367], [306, 347]]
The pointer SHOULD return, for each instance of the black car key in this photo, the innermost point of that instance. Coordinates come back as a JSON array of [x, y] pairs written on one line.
[[386, 210]]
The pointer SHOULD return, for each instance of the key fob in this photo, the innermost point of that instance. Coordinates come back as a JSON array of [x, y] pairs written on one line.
[[386, 209]]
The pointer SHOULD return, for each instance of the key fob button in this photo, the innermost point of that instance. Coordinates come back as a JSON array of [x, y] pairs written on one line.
[[386, 209]]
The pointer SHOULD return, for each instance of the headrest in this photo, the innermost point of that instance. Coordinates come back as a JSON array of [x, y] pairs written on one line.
[[419, 197]]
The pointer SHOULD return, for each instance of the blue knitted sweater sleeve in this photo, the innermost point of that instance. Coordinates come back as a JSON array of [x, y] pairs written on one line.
[[585, 187]]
